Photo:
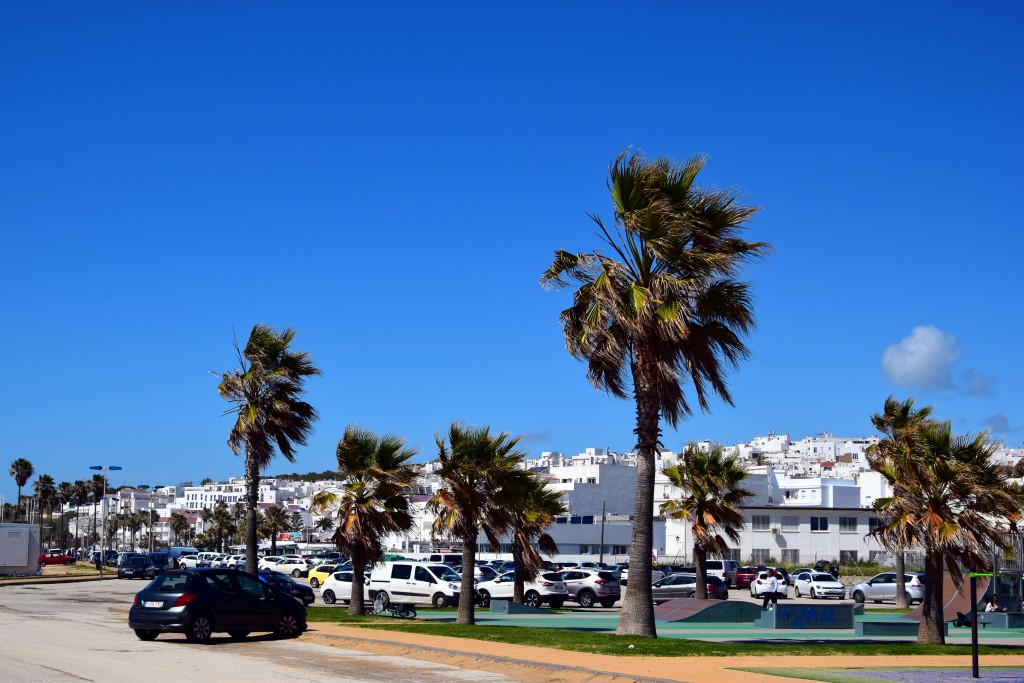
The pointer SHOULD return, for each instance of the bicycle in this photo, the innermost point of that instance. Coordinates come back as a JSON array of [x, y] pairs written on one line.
[[383, 607]]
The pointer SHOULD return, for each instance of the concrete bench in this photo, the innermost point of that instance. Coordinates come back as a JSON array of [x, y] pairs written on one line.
[[892, 628], [509, 607], [816, 617], [1001, 619]]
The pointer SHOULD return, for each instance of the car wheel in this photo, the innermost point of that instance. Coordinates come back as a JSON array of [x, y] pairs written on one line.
[[200, 629], [858, 596], [238, 635], [296, 573], [314, 582], [585, 598], [144, 634], [910, 600], [439, 600], [752, 593], [485, 599], [797, 591], [608, 602], [329, 598], [290, 625], [813, 595], [531, 599]]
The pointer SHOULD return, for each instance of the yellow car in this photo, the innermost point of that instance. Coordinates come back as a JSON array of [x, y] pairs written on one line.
[[320, 572]]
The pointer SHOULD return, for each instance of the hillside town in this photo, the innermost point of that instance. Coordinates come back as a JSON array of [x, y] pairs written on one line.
[[813, 500]]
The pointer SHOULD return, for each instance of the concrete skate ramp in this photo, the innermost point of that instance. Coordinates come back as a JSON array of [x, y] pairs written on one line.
[[710, 611], [953, 600]]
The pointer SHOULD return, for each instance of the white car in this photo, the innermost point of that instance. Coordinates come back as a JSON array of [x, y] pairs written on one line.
[[289, 565], [656, 575], [188, 561], [337, 586], [547, 588], [818, 585], [759, 586], [268, 562]]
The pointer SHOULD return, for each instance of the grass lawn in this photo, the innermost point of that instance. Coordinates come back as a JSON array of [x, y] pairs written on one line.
[[609, 644]]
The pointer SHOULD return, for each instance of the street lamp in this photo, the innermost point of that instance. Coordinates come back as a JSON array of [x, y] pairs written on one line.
[[104, 469], [146, 487]]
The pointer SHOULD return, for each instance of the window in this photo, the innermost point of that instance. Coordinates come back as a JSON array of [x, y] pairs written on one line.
[[791, 555], [848, 557], [847, 524], [874, 523], [423, 575], [790, 523], [401, 571], [759, 522], [819, 523], [734, 554], [761, 555]]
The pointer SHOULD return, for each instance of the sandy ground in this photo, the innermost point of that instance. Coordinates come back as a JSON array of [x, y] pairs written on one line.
[[541, 664]]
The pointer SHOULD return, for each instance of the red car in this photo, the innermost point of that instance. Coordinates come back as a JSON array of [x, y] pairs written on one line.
[[747, 574], [55, 557]]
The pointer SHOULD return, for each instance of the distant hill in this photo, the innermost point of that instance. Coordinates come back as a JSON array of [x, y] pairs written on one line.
[[309, 476]]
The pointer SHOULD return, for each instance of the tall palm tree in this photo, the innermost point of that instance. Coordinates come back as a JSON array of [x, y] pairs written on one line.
[[476, 470], [179, 526], [711, 500], [22, 470], [899, 422], [223, 524], [46, 494], [275, 520], [81, 497], [99, 489], [65, 493], [324, 524], [266, 391], [373, 502], [949, 500], [665, 309], [534, 508]]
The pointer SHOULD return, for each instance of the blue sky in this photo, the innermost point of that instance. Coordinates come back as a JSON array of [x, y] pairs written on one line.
[[393, 180]]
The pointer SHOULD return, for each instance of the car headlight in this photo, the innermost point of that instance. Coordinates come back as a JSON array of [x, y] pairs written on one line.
[[453, 587]]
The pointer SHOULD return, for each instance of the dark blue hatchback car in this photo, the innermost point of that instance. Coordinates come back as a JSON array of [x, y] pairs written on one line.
[[200, 602]]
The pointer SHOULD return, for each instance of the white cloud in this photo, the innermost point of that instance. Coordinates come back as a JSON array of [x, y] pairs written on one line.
[[922, 360], [974, 384]]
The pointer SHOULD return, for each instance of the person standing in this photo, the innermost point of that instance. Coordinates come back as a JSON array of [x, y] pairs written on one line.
[[772, 594]]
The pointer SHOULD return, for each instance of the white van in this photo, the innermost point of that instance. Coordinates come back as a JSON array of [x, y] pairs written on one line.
[[726, 570], [415, 583]]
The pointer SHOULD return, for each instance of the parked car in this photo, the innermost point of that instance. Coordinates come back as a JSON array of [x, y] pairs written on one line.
[[818, 585], [726, 570], [206, 559], [286, 584], [201, 602], [623, 574], [337, 586], [136, 567], [747, 574], [415, 583], [882, 587], [319, 573], [759, 585], [289, 565], [685, 586], [588, 587], [547, 588], [177, 551], [161, 561], [55, 557], [188, 562], [268, 562], [124, 556]]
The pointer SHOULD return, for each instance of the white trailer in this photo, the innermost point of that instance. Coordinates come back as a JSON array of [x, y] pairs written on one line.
[[19, 548]]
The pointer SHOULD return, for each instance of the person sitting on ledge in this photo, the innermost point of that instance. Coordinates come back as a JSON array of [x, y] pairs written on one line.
[[993, 605]]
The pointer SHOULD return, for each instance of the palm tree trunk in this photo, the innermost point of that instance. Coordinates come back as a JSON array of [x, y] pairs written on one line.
[[520, 573], [467, 614], [700, 558], [930, 630], [18, 509], [357, 601], [252, 496], [637, 616], [901, 580]]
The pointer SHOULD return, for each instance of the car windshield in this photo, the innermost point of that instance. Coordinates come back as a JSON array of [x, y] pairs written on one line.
[[822, 577], [444, 572]]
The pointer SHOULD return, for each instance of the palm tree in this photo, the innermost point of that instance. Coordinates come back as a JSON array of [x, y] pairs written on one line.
[[179, 526], [900, 423], [373, 502], [664, 310], [65, 493], [711, 500], [81, 497], [223, 524], [46, 494], [324, 524], [266, 391], [948, 499], [22, 470], [275, 520], [476, 472], [534, 508], [99, 490]]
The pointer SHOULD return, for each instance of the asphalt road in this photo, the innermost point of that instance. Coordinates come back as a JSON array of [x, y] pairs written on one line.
[[79, 632]]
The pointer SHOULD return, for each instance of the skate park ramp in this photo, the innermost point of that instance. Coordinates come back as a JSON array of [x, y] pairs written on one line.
[[709, 611], [953, 600]]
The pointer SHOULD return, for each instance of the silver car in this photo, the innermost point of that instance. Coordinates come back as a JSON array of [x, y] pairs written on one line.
[[882, 587], [588, 587]]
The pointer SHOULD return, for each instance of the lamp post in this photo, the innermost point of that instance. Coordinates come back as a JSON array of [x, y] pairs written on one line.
[[104, 469]]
